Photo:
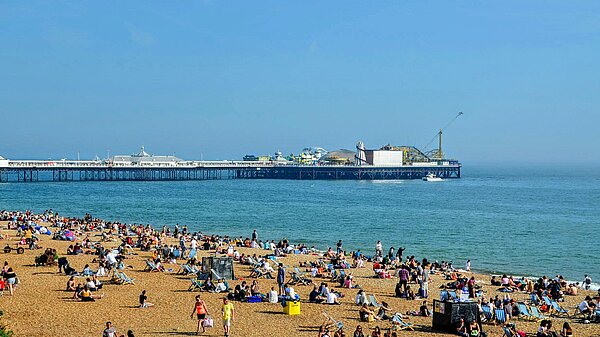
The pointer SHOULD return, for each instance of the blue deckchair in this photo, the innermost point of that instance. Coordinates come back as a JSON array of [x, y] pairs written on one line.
[[534, 299], [524, 312], [150, 266], [536, 313], [507, 332], [336, 323], [453, 295], [547, 301], [487, 313], [558, 310], [373, 301], [126, 279], [195, 285], [402, 325], [500, 316]]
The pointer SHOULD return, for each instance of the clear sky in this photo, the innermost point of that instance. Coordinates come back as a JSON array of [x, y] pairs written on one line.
[[224, 79]]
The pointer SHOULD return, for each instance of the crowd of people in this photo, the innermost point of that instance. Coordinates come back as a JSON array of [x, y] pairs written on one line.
[[333, 267]]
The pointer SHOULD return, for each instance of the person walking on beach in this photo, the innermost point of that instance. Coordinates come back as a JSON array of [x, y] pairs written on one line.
[[281, 278], [228, 316], [379, 249], [587, 282], [254, 236], [468, 265], [339, 246], [201, 312]]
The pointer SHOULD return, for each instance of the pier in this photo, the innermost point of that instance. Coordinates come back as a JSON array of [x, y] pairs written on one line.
[[79, 170]]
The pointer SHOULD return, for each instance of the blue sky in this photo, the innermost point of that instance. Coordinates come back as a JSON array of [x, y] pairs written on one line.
[[223, 79]]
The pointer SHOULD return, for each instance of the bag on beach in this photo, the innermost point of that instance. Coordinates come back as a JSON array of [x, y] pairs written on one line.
[[208, 322]]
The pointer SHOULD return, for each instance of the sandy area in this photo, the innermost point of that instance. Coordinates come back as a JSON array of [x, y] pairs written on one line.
[[41, 307]]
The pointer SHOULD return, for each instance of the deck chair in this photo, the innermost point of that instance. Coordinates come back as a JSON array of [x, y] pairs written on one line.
[[547, 301], [453, 295], [536, 313], [534, 299], [400, 324], [500, 316], [558, 310], [257, 273], [296, 278], [126, 279], [216, 276], [487, 313], [185, 269], [373, 301], [507, 332], [150, 266], [298, 272], [524, 312], [196, 284], [331, 321]]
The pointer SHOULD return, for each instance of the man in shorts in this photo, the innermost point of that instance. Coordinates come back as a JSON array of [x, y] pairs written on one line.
[[228, 315]]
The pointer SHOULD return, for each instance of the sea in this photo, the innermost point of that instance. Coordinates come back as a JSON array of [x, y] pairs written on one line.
[[526, 221]]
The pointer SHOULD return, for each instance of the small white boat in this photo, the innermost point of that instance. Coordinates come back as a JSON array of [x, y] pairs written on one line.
[[431, 177]]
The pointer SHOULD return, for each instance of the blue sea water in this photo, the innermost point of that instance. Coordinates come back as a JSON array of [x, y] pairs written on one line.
[[523, 221]]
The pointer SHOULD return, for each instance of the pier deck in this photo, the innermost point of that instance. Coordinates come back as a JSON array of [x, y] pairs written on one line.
[[34, 171]]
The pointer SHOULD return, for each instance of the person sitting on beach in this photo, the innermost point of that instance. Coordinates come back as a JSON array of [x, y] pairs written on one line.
[[323, 331], [585, 307], [221, 287], [144, 300], [340, 332], [495, 281], [314, 296], [90, 284], [543, 329], [87, 271], [348, 282], [273, 297], [332, 298], [290, 292], [410, 295], [461, 328], [423, 311], [571, 290], [361, 297], [86, 295], [358, 332], [255, 289], [110, 330], [376, 332], [382, 313], [566, 331], [365, 314], [474, 329], [71, 284], [239, 292]]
